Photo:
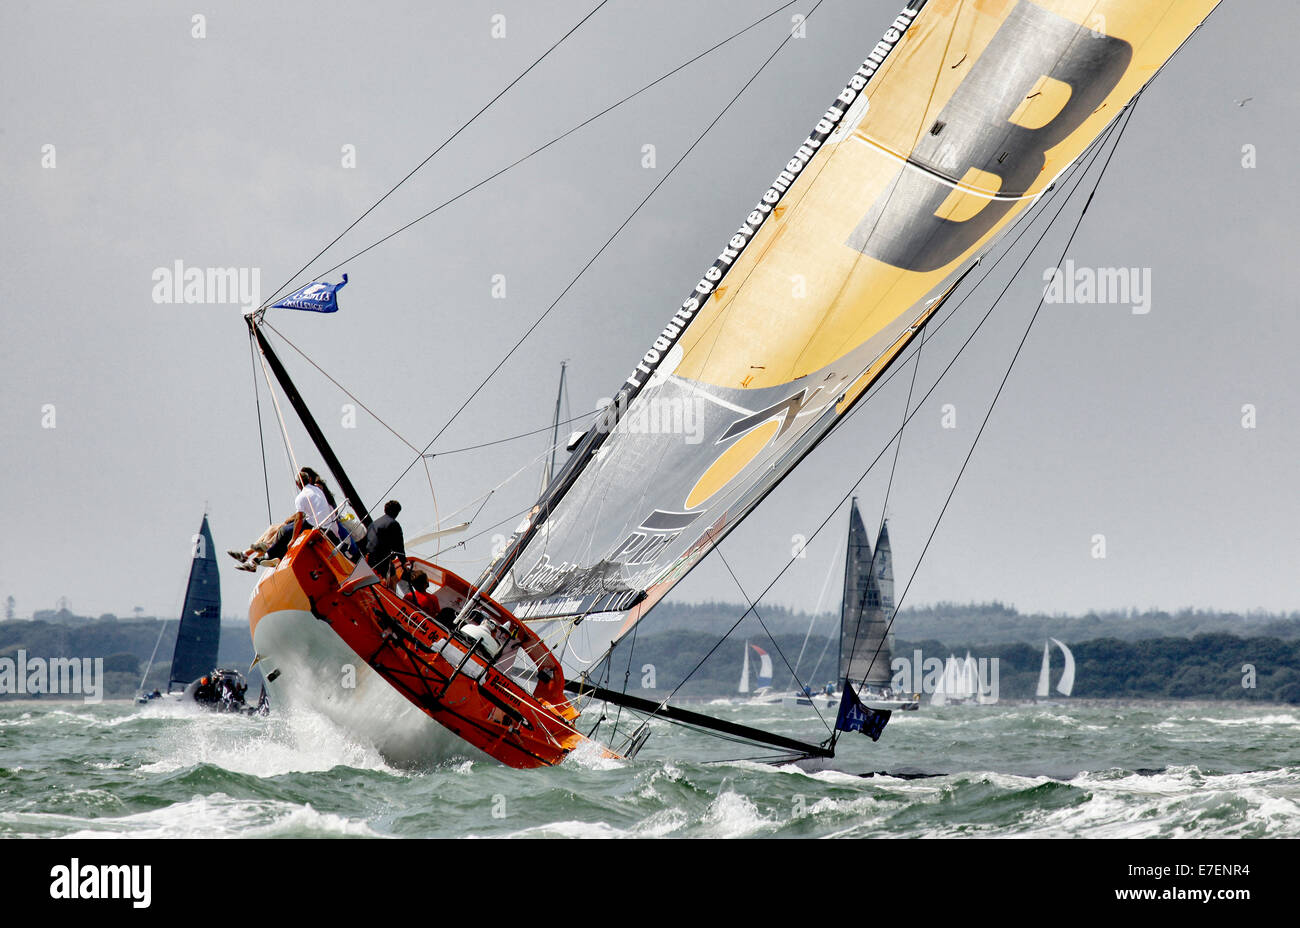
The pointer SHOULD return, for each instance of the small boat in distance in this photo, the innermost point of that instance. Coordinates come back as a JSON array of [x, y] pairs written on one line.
[[1064, 686], [198, 639], [865, 639], [764, 679]]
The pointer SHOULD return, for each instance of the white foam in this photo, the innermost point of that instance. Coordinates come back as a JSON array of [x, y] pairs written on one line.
[[221, 816], [591, 756], [732, 815], [297, 742]]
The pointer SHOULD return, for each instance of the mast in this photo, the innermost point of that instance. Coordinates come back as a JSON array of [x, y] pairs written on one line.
[[549, 474], [309, 422]]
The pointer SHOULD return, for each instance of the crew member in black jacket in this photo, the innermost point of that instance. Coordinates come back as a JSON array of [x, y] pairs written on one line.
[[384, 540]]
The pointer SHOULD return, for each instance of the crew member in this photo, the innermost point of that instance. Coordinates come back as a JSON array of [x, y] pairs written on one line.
[[384, 541]]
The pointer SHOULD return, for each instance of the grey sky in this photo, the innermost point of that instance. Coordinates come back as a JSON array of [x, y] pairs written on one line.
[[227, 150]]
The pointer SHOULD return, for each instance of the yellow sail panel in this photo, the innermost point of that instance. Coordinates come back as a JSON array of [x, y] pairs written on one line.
[[977, 110]]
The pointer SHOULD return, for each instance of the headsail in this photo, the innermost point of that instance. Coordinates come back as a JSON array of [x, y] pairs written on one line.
[[764, 680], [1045, 672], [867, 606], [1065, 686], [958, 119], [199, 635]]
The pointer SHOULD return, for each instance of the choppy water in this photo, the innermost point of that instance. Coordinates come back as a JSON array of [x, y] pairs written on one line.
[[1094, 769]]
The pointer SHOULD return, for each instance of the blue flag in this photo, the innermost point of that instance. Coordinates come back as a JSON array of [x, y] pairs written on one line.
[[854, 716], [317, 298]]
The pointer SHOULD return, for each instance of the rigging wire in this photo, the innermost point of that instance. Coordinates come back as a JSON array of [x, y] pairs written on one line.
[[261, 436], [284, 286], [426, 457], [561, 137], [821, 598], [754, 608], [348, 393], [290, 458], [663, 180], [434, 454]]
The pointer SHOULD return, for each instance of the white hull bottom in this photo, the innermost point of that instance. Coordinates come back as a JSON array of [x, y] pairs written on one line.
[[308, 667]]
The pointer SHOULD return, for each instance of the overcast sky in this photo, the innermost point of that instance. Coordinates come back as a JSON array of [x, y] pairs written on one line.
[[228, 150]]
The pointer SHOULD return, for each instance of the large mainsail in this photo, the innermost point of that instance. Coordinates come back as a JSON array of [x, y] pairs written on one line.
[[199, 635], [959, 118]]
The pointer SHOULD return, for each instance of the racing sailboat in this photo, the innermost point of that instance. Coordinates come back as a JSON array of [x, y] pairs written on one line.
[[1064, 686], [763, 676], [866, 616], [194, 676], [198, 637], [864, 635], [957, 121]]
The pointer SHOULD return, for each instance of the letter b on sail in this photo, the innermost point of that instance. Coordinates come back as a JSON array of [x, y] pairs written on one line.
[[991, 138]]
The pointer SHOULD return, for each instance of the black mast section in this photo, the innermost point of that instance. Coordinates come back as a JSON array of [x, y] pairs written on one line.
[[309, 422], [686, 717]]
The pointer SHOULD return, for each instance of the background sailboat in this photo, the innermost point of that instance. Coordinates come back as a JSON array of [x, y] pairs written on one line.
[[1064, 686], [198, 638], [763, 677], [866, 616]]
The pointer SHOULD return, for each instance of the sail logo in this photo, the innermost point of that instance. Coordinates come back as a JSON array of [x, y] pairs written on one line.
[[105, 881], [936, 213], [948, 682], [202, 286], [1121, 286], [57, 676]]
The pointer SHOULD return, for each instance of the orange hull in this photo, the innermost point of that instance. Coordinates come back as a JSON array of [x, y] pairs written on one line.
[[454, 678]]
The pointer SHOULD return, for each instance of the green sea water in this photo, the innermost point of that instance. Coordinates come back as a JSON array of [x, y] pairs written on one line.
[[1082, 768]]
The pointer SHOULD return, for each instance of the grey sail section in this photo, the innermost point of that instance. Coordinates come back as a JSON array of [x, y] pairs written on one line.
[[883, 577], [199, 635], [864, 654]]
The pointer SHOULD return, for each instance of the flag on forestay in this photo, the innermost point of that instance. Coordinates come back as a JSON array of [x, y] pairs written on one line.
[[854, 716], [317, 297]]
